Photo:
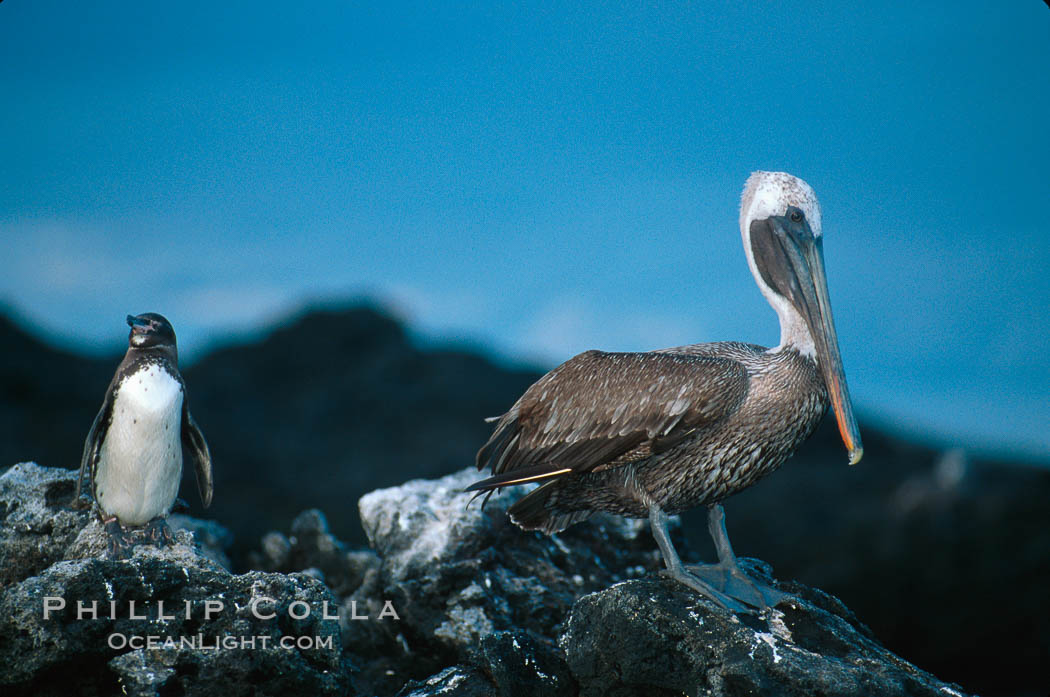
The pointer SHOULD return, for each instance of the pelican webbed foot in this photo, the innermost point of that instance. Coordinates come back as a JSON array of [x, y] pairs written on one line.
[[727, 575], [732, 581], [724, 583], [676, 570]]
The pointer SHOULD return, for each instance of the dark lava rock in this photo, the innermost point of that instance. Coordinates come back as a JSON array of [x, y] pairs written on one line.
[[510, 664], [476, 592], [458, 573], [36, 523], [313, 549], [456, 681], [654, 637], [454, 600], [521, 666], [370, 637], [455, 577], [946, 557], [51, 642]]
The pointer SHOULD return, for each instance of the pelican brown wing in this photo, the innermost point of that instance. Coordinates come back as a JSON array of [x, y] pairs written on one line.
[[600, 410]]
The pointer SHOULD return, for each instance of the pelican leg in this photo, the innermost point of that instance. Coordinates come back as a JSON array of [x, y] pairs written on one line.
[[727, 575], [677, 571]]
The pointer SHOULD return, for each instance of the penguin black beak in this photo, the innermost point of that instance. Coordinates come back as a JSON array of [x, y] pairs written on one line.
[[138, 324]]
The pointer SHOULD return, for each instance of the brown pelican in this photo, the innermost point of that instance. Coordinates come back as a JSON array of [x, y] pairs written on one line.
[[656, 433]]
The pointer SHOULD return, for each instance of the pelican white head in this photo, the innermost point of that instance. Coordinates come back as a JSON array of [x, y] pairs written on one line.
[[771, 193]]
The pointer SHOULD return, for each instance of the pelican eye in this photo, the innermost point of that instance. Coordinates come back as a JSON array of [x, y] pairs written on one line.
[[796, 216]]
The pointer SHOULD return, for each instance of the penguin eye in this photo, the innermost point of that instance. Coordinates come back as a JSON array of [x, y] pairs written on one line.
[[795, 215]]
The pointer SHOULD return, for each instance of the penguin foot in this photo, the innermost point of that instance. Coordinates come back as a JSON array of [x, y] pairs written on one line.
[[158, 533], [120, 542]]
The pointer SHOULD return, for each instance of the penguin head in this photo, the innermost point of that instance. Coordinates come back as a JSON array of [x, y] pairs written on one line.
[[150, 330]]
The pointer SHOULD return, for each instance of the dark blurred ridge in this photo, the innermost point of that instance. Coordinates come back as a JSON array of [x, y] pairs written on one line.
[[946, 557]]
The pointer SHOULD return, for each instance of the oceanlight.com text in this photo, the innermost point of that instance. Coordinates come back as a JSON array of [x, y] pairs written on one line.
[[199, 642]]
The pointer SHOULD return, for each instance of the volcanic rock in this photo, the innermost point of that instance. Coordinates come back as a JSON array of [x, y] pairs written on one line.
[[74, 621], [452, 600], [583, 612]]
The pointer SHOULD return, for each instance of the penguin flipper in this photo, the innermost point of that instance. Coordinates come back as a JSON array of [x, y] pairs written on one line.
[[92, 446], [194, 444]]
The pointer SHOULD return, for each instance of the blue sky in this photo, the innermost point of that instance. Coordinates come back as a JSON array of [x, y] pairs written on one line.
[[541, 181]]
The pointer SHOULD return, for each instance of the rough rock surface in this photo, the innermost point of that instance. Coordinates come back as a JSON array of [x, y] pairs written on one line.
[[459, 578], [658, 638], [453, 601], [50, 551], [582, 612]]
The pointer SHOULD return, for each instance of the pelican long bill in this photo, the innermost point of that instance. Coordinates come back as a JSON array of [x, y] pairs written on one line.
[[793, 259]]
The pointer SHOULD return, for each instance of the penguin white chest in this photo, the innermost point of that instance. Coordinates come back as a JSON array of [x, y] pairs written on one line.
[[140, 462]]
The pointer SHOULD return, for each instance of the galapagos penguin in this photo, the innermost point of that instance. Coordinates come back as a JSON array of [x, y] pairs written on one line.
[[134, 451]]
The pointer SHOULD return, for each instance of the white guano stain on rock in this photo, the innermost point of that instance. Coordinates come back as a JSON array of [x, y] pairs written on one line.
[[770, 641]]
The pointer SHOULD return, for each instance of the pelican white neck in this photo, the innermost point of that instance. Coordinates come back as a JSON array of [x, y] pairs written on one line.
[[769, 194]]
